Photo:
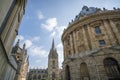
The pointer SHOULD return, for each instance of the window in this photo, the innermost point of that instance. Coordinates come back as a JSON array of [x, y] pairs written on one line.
[[69, 52], [53, 64], [84, 74], [67, 72], [97, 30], [101, 42]]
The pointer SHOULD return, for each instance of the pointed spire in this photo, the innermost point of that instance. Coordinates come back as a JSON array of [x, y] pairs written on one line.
[[17, 44], [53, 45], [53, 51], [24, 45], [28, 58]]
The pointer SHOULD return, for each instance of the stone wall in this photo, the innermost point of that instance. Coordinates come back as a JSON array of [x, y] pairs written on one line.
[[88, 42]]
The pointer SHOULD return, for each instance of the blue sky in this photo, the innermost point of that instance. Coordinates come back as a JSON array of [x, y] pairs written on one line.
[[45, 20]]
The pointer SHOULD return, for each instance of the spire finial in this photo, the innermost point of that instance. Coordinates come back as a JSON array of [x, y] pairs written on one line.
[[24, 45], [53, 46], [17, 44]]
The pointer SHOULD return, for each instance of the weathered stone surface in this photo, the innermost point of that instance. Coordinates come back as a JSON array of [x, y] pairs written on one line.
[[94, 38]]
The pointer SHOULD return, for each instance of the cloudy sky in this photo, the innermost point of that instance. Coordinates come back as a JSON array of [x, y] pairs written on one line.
[[45, 20]]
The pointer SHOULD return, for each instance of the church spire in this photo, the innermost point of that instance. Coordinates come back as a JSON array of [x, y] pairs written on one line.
[[53, 45], [53, 52]]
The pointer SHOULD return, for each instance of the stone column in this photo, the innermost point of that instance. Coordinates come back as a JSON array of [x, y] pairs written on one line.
[[71, 44], [64, 49], [110, 39], [92, 41], [74, 42], [85, 37], [115, 30]]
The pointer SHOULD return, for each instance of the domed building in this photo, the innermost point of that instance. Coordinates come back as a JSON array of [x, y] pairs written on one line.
[[91, 45]]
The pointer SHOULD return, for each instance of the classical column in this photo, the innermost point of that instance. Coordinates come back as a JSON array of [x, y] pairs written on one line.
[[115, 30], [64, 48], [71, 44], [84, 29], [74, 42], [111, 39], [92, 41]]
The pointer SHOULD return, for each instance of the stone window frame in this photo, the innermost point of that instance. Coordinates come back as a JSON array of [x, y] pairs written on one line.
[[102, 42], [84, 73], [95, 24], [97, 30]]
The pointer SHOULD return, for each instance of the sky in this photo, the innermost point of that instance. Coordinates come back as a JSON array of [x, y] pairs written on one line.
[[46, 19]]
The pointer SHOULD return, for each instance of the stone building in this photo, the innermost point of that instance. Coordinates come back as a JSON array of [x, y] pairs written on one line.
[[37, 74], [52, 72], [92, 45], [20, 55], [11, 13], [53, 69]]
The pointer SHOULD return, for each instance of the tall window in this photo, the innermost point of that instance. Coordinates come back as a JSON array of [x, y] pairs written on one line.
[[53, 64], [67, 73], [112, 69], [84, 74], [97, 30], [101, 42]]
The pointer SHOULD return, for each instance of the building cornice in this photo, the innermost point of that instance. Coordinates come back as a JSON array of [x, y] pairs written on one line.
[[110, 14]]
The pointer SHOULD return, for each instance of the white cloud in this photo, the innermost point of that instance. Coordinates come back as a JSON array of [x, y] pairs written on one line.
[[50, 24], [28, 43], [59, 30], [40, 15], [37, 51], [52, 34], [36, 38], [19, 37], [59, 45], [38, 61]]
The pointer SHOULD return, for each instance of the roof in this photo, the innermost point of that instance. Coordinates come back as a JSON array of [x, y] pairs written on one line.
[[53, 52]]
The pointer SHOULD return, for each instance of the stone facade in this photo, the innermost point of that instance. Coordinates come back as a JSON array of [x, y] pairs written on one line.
[[20, 55], [11, 12], [92, 45], [37, 74], [53, 69]]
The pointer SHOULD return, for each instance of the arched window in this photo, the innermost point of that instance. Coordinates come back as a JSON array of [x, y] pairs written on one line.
[[67, 73], [84, 74], [53, 64], [112, 69]]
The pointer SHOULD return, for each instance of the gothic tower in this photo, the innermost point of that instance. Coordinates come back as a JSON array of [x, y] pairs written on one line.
[[53, 69], [20, 55]]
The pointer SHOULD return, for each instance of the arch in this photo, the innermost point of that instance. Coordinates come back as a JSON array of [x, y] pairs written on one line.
[[112, 68], [67, 72], [84, 74]]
